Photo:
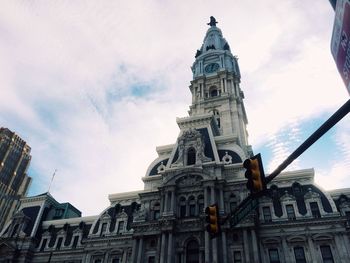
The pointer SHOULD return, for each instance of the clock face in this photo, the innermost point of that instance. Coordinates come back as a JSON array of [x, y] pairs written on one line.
[[211, 68]]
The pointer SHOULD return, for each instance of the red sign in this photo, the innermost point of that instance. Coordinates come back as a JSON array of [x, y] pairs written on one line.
[[340, 45]]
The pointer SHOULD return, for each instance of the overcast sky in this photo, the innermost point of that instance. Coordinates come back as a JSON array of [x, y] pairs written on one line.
[[94, 86]]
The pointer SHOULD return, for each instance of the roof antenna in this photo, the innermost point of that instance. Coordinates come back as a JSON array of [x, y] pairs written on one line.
[[53, 176]]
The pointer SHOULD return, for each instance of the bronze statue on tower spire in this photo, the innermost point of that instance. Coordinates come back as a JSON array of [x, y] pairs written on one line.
[[212, 21]]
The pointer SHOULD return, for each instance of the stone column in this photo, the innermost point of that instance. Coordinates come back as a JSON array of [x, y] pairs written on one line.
[[246, 246], [312, 249], [133, 252], [139, 254], [162, 248], [224, 247], [206, 234], [170, 247], [343, 254], [125, 253], [206, 201], [166, 208], [222, 204], [214, 240], [285, 250], [173, 201], [346, 243], [207, 247], [255, 246], [212, 195], [105, 257]]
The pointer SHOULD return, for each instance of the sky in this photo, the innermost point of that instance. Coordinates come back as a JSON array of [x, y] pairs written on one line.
[[94, 86]]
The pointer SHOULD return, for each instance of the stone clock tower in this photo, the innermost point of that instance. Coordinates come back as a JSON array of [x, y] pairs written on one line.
[[216, 89]]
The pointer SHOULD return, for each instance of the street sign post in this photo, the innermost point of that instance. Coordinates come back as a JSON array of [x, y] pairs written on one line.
[[340, 43], [243, 210]]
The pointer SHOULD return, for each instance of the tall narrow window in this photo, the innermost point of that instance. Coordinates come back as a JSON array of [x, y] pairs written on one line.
[[151, 259], [200, 204], [191, 156], [237, 257], [290, 212], [59, 243], [192, 206], [75, 241], [192, 252], [120, 227], [214, 93], [267, 214], [156, 211], [315, 210], [327, 256], [182, 206], [299, 255], [103, 229], [43, 244], [274, 257]]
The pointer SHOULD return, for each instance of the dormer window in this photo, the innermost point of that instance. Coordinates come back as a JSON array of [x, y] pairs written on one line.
[[191, 156], [103, 229], [120, 227]]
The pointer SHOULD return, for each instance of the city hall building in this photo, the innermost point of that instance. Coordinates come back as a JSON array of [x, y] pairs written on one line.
[[295, 221]]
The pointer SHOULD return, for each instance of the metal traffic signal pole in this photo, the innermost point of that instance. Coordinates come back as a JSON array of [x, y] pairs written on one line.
[[334, 119]]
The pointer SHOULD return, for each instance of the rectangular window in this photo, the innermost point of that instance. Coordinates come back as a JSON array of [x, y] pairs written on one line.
[[274, 257], [290, 212], [192, 210], [103, 228], [182, 210], [327, 256], [156, 214], [75, 241], [237, 257], [151, 259], [43, 245], [299, 255], [267, 214], [315, 210], [59, 243], [115, 260], [120, 227]]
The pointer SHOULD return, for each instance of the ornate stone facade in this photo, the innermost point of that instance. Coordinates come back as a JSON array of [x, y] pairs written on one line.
[[294, 222]]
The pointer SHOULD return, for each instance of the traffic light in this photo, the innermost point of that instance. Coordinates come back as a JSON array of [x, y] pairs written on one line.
[[212, 218], [255, 174]]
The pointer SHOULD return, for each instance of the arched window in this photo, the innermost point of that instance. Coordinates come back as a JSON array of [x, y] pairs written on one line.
[[217, 117], [192, 252], [214, 93], [191, 156], [192, 206], [200, 204], [156, 211], [182, 206], [233, 202]]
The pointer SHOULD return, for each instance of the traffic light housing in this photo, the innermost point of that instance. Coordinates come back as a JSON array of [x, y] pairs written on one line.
[[212, 219], [255, 174]]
